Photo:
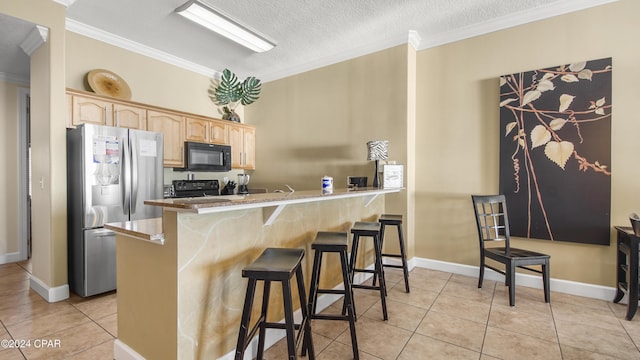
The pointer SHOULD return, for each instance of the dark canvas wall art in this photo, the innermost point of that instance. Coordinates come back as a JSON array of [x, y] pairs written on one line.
[[555, 151]]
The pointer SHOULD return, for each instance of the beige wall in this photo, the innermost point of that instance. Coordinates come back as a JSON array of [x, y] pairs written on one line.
[[48, 140], [151, 81], [458, 126], [9, 132], [318, 123]]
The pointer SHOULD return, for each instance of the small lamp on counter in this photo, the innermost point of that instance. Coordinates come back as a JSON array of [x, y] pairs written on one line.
[[378, 150]]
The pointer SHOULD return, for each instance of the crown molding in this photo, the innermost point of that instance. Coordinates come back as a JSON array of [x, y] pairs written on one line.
[[512, 20], [115, 40], [15, 79], [66, 3], [37, 36], [414, 39]]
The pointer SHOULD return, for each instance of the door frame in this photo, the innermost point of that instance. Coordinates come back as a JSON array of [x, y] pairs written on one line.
[[23, 178]]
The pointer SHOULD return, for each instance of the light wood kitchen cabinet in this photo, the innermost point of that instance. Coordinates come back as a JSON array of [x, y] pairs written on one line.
[[176, 126], [172, 127], [219, 132], [89, 110], [130, 117], [242, 141], [206, 131]]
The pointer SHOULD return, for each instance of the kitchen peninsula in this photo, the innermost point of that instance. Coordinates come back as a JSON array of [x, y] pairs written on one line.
[[180, 288]]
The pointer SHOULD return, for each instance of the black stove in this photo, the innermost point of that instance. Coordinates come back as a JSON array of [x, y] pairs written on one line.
[[195, 188]]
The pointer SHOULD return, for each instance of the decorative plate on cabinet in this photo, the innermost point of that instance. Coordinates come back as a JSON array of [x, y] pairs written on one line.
[[105, 82]]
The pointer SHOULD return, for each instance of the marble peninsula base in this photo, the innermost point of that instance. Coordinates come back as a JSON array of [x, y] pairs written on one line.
[[182, 297]]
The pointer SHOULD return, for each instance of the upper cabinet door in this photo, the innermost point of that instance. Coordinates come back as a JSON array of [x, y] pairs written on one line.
[[242, 140], [172, 127], [130, 117], [249, 148], [219, 132], [196, 130], [88, 110]]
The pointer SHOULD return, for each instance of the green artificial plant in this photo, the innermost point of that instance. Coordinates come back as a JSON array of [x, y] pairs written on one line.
[[229, 92]]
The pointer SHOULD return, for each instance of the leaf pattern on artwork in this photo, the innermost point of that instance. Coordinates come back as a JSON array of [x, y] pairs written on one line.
[[559, 152], [509, 127], [539, 136], [530, 96], [557, 124], [565, 102]]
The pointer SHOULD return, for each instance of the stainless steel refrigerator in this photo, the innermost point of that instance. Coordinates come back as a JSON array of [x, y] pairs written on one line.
[[110, 173]]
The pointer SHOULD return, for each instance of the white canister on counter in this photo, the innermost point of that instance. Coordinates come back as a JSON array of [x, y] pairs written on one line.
[[327, 183]]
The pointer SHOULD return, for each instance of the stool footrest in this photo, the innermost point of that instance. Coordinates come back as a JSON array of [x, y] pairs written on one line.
[[370, 271], [392, 255], [330, 291], [370, 287], [393, 266], [330, 317], [272, 325]]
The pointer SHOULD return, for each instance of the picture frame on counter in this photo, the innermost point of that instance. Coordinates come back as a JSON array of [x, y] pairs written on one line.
[[392, 176]]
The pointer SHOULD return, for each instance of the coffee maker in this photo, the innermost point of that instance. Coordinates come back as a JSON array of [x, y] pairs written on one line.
[[243, 181]]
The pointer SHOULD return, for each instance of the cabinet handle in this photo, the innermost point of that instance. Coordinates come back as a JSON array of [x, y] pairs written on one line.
[[105, 115], [117, 119]]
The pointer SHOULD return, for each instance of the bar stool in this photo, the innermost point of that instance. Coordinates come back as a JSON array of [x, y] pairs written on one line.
[[395, 220], [333, 242], [275, 264], [369, 229]]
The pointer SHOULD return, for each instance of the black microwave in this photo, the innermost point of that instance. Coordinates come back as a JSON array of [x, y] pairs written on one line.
[[206, 157]]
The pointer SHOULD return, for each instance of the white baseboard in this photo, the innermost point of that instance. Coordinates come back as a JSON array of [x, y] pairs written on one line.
[[50, 294], [564, 286], [123, 352], [10, 258]]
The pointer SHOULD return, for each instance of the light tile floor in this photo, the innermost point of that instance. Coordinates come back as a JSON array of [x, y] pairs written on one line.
[[444, 317]]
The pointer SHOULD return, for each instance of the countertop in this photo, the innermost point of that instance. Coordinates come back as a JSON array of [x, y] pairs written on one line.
[[209, 204], [147, 229], [151, 230]]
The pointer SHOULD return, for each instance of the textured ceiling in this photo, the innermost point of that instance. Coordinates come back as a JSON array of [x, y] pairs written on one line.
[[308, 33]]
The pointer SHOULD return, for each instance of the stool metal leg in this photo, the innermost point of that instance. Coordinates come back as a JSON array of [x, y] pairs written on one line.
[[383, 287], [349, 303], [305, 327], [288, 321], [403, 253], [315, 274], [244, 324], [263, 318]]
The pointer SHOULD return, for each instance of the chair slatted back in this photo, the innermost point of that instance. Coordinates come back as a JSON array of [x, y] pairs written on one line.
[[635, 223], [491, 218]]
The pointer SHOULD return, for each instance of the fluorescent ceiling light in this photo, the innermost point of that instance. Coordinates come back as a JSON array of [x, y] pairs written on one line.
[[223, 25]]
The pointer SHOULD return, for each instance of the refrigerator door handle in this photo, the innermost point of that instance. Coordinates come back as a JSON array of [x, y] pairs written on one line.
[[126, 187], [134, 173]]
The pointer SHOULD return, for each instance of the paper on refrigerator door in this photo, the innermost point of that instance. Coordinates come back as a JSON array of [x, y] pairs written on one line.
[[148, 148], [106, 149]]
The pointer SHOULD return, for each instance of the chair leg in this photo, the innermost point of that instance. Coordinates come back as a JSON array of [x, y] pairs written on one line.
[[511, 270], [246, 315], [545, 279], [263, 317], [481, 275]]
